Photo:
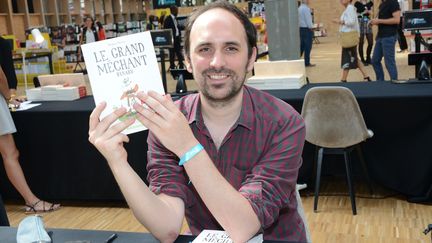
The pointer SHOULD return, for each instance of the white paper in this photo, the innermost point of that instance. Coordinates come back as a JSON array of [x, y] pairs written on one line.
[[219, 236], [27, 105]]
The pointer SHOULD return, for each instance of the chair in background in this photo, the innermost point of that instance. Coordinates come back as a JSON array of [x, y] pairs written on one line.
[[335, 124]]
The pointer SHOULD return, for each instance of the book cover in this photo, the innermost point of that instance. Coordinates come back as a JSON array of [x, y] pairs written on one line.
[[220, 236], [118, 69]]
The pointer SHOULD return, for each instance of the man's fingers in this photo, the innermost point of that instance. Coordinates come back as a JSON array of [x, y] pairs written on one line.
[[154, 104], [147, 123], [165, 100], [118, 128], [94, 116], [150, 115]]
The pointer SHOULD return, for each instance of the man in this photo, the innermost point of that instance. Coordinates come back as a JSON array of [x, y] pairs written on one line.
[[171, 23], [239, 148], [306, 31], [387, 21]]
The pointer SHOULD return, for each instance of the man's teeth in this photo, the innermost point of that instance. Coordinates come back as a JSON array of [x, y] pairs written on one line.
[[218, 76]]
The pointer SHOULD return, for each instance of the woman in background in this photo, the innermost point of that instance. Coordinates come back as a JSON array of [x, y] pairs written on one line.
[[89, 34], [101, 31], [364, 14], [153, 23], [10, 153], [348, 22]]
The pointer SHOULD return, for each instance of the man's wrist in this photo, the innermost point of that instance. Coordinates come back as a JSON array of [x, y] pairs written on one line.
[[190, 154]]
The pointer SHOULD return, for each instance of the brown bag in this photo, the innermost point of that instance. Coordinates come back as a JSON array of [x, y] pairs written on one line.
[[349, 39]]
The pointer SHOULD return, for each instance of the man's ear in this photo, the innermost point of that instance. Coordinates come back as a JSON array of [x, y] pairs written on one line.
[[252, 59], [188, 63]]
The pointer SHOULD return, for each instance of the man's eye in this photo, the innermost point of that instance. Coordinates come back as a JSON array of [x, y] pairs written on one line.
[[232, 49], [204, 49]]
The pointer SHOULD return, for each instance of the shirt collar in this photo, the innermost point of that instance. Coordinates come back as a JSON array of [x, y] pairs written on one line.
[[246, 118]]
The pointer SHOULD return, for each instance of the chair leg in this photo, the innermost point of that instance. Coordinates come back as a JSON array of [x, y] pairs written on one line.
[[365, 170], [318, 178], [350, 183]]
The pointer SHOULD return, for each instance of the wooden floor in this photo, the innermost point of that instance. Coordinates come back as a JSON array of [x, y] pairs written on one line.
[[381, 218]]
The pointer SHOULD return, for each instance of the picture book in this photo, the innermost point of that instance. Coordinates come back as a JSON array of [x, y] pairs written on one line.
[[118, 69]]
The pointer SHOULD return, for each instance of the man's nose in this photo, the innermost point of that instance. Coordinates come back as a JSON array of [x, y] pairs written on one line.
[[218, 60]]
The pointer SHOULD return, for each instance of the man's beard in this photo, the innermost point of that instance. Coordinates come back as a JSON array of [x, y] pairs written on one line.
[[234, 86]]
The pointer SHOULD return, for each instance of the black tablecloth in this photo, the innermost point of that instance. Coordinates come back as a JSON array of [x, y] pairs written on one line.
[[61, 164], [8, 235]]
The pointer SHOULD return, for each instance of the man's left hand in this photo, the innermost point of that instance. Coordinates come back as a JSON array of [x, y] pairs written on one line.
[[166, 121]]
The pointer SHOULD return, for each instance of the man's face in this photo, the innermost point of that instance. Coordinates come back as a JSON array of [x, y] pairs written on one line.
[[219, 55]]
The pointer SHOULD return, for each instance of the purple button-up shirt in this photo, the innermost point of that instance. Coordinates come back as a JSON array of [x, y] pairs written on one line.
[[260, 157]]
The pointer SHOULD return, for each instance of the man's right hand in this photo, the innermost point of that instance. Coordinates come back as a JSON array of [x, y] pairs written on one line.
[[106, 138]]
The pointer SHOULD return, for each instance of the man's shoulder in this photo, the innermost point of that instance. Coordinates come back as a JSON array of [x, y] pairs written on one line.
[[270, 108]]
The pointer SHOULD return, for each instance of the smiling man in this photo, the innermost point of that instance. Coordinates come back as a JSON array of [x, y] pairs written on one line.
[[226, 158]]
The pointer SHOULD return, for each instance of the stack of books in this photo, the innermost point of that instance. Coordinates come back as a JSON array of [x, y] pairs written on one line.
[[56, 93], [278, 75]]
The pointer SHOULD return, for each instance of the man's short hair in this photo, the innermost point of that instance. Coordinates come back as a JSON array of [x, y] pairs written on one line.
[[249, 28]]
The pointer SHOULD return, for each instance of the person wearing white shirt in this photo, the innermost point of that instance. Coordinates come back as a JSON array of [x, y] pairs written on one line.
[[348, 22], [306, 31]]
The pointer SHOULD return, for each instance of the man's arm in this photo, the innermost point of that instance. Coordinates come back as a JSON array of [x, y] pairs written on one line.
[[162, 215], [232, 210], [395, 19]]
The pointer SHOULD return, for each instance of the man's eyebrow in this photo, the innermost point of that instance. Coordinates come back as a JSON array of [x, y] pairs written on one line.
[[228, 43]]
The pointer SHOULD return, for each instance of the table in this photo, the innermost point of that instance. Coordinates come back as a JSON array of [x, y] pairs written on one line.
[[60, 163], [8, 235]]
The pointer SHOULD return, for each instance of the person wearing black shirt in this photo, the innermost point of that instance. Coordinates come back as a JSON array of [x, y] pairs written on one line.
[[364, 14], [171, 23], [387, 21]]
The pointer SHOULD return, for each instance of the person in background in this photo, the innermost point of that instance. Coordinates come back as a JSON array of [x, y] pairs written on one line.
[[387, 21], [364, 14], [152, 23], [306, 31], [10, 153], [57, 38], [89, 34], [162, 20], [226, 158], [176, 51], [101, 31], [403, 45], [348, 22]]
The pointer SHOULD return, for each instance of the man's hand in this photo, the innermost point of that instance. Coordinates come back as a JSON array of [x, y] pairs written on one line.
[[375, 21], [166, 121], [109, 140]]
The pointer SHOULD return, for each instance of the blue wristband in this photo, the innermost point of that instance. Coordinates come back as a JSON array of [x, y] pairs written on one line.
[[190, 154]]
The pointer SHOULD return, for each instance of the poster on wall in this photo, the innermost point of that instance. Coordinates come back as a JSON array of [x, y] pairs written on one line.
[[165, 3], [256, 9]]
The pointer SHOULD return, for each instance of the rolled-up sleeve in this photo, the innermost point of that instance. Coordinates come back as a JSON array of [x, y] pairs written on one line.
[[272, 182], [163, 172]]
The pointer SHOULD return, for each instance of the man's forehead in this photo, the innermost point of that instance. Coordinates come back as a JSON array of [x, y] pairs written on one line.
[[216, 15], [219, 20]]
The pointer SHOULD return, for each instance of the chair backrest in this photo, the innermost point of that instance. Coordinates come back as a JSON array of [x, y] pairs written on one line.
[[333, 118]]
